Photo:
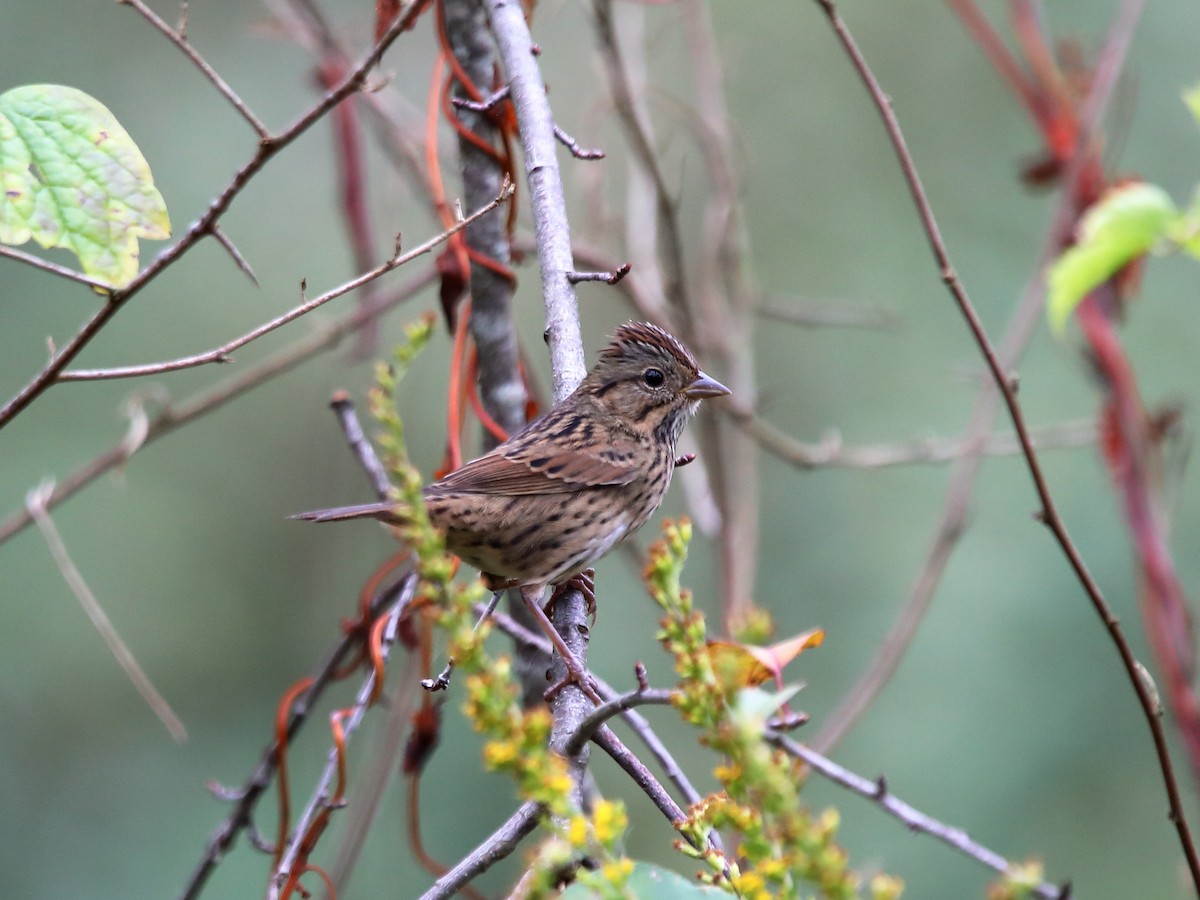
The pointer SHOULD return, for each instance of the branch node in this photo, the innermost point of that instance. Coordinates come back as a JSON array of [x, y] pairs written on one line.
[[487, 104], [613, 277], [571, 144]]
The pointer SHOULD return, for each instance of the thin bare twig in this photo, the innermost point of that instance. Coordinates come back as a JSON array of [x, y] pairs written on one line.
[[827, 314], [487, 104], [199, 404], [616, 276], [1049, 513], [364, 451], [36, 504], [633, 120], [267, 148], [54, 268], [221, 354], [573, 145], [721, 305], [831, 451], [179, 39], [915, 820], [642, 777], [234, 253]]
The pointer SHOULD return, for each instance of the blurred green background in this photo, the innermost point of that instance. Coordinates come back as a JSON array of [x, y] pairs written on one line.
[[1010, 717]]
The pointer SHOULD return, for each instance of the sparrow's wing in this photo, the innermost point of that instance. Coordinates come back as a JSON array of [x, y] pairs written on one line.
[[540, 468]]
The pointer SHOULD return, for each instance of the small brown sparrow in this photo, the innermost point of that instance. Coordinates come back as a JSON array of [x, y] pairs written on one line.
[[558, 495]]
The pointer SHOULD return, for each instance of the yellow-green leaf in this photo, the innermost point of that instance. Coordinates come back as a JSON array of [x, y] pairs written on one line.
[[1191, 97], [73, 178], [1125, 223]]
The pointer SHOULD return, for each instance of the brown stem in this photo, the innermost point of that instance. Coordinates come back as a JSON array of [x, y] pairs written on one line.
[[1049, 513]]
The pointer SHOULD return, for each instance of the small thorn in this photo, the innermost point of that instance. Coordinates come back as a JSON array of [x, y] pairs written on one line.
[[234, 253]]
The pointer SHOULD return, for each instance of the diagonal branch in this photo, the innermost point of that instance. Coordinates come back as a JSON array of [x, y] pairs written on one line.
[[1049, 512], [1019, 332], [203, 402], [36, 504], [915, 820], [221, 354], [179, 39]]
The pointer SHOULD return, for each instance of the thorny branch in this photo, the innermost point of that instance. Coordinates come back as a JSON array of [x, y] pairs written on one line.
[[179, 39], [266, 150]]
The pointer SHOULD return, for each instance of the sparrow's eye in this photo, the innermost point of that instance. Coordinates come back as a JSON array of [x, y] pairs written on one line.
[[653, 378]]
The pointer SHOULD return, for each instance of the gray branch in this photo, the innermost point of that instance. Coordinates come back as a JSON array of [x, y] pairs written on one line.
[[551, 230]]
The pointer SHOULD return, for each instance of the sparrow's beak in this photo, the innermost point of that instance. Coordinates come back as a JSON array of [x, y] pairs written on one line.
[[704, 386]]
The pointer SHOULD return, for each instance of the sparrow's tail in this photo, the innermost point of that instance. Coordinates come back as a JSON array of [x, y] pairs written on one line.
[[385, 512]]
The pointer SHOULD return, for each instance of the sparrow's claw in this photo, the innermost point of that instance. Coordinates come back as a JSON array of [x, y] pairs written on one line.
[[585, 583]]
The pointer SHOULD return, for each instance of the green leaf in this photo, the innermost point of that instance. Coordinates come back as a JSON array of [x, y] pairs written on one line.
[[73, 178], [1192, 98], [1125, 223], [650, 882], [754, 705], [1185, 230]]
